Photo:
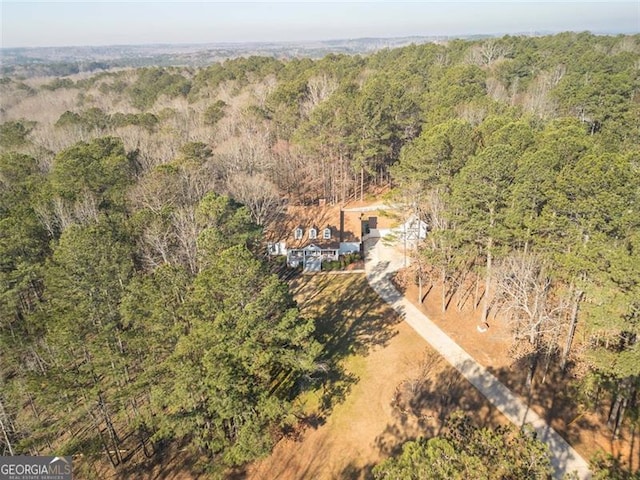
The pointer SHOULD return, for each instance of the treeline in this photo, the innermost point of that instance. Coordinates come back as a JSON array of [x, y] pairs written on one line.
[[331, 128], [520, 152], [135, 313], [546, 220], [537, 213], [17, 65]]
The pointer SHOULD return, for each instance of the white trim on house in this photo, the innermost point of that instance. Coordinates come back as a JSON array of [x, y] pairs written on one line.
[[311, 255], [298, 233], [326, 233], [277, 248], [313, 233]]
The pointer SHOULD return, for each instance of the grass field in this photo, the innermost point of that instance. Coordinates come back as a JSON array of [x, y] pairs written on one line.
[[382, 385]]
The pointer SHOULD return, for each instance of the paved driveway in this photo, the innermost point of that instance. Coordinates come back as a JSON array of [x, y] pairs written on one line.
[[382, 260]]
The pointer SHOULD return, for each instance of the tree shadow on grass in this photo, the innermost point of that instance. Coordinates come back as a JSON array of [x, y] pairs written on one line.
[[552, 392], [336, 383], [350, 320], [422, 404], [353, 472]]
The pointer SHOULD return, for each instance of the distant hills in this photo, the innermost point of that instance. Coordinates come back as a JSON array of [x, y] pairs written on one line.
[[62, 61]]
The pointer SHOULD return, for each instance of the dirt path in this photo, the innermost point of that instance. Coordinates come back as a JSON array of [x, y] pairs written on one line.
[[382, 261]]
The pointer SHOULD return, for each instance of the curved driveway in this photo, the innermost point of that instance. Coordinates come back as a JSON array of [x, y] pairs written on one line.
[[381, 262]]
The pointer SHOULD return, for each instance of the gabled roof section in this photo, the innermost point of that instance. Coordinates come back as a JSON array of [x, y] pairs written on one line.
[[318, 217]]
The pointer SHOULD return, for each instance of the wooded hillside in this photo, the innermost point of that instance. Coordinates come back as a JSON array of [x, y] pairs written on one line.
[[135, 304]]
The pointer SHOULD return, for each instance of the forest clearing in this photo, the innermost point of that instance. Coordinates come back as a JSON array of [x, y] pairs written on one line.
[[386, 366], [150, 326]]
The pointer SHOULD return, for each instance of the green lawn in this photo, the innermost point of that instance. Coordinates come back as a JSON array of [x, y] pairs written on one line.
[[350, 320]]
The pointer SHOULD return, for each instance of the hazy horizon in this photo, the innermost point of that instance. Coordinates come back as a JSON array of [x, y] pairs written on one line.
[[100, 23]]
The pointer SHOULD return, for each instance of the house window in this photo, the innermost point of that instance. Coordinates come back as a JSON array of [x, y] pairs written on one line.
[[326, 233], [313, 233], [298, 233]]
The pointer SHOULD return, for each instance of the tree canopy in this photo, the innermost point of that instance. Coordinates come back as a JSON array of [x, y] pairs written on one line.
[[466, 451], [136, 310]]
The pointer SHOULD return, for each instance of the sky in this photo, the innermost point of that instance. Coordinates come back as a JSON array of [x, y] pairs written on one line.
[[74, 23]]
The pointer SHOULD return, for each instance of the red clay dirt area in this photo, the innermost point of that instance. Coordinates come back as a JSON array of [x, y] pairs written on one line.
[[553, 396]]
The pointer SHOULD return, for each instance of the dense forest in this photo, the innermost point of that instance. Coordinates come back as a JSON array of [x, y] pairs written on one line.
[[137, 309]]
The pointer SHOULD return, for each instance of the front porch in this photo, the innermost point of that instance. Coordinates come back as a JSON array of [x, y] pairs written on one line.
[[311, 257]]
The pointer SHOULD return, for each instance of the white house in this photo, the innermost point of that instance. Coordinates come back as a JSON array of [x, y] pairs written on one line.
[[322, 245], [308, 245]]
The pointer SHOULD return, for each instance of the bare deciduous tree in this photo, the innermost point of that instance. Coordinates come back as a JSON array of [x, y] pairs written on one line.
[[157, 244], [262, 90], [488, 53], [497, 90], [319, 88], [523, 289], [7, 428], [59, 214], [259, 195], [186, 231], [249, 151], [537, 99]]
